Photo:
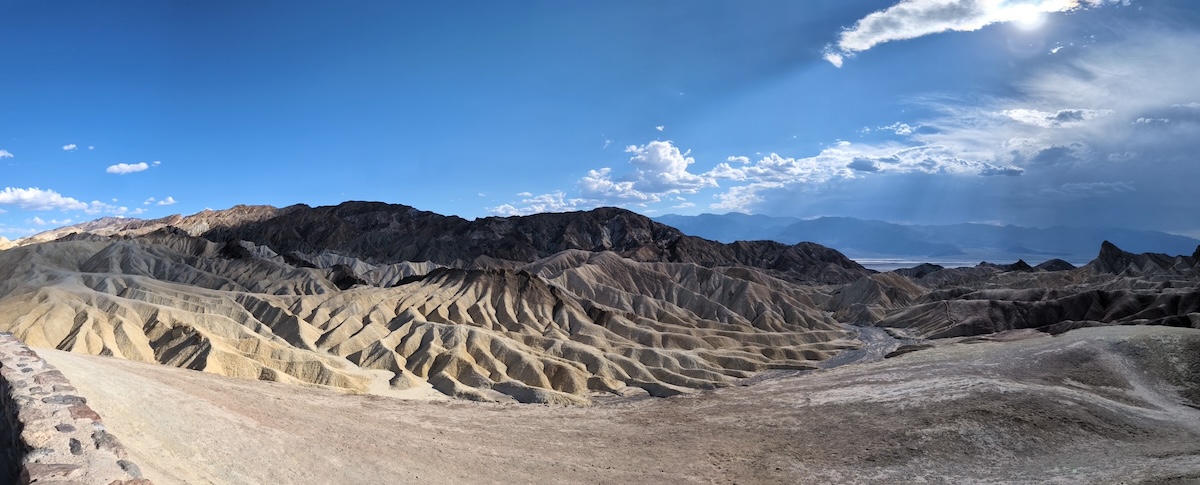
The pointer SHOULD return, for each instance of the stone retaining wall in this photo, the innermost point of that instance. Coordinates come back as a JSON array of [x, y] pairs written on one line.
[[48, 434]]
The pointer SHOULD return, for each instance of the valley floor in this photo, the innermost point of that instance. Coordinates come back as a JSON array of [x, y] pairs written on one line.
[[1098, 405]]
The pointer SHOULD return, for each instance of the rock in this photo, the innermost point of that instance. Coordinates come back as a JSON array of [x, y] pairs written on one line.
[[64, 399], [82, 411], [130, 467], [1055, 265], [905, 349], [920, 270]]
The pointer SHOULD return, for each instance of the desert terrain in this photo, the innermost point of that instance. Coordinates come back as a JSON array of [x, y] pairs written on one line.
[[375, 343], [1088, 406]]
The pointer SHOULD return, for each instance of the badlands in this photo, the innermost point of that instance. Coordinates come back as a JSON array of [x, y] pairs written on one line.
[[376, 343]]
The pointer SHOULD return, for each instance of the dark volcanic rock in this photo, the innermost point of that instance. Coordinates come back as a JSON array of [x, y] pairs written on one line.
[[386, 233], [1055, 265], [1113, 260], [1020, 265], [920, 270]]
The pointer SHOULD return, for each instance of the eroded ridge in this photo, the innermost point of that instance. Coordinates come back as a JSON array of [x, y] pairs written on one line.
[[50, 434]]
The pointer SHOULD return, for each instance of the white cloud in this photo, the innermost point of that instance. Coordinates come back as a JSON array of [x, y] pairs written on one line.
[[909, 19], [552, 202], [34, 198], [38, 221], [897, 128], [662, 168], [167, 201], [126, 168], [157, 163], [833, 57], [739, 159], [660, 127], [5, 154], [1150, 121], [599, 184], [726, 171], [659, 169], [524, 194], [148, 201], [1061, 117], [70, 147], [90, 147], [684, 205]]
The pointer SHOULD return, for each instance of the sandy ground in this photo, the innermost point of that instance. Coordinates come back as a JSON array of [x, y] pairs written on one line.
[[1067, 409]]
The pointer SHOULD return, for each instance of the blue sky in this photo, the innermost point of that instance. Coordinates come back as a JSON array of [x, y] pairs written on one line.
[[1029, 112]]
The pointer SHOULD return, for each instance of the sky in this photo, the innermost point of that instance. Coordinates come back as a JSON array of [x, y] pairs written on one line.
[[1026, 112]]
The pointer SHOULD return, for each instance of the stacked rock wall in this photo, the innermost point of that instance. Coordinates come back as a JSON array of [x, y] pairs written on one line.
[[48, 434]]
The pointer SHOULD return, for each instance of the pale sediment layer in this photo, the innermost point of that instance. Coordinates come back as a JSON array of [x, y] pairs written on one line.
[[553, 331]]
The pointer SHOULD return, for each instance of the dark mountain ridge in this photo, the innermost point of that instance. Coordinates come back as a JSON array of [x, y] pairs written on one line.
[[381, 233], [865, 237]]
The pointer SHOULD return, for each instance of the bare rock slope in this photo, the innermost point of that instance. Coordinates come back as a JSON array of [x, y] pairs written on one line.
[[1116, 288], [553, 308], [474, 323]]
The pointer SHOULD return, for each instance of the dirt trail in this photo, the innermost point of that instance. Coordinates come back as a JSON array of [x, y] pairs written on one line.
[[1039, 410]]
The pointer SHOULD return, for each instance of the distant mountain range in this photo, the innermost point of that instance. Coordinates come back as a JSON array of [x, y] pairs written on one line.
[[864, 239]]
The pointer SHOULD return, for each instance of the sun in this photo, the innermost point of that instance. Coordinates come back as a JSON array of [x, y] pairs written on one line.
[[1026, 17]]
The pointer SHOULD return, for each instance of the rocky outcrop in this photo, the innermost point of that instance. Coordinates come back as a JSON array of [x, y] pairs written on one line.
[[1055, 311], [1055, 265], [871, 297], [919, 270], [1113, 260], [1117, 287], [1020, 265], [50, 434]]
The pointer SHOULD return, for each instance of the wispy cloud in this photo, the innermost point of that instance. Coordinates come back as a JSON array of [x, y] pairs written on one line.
[[127, 168], [910, 19], [1061, 117], [660, 127], [1097, 127], [553, 202], [55, 222], [5, 154], [898, 128], [70, 147], [846, 161]]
